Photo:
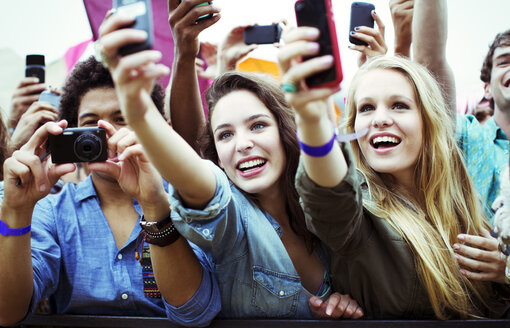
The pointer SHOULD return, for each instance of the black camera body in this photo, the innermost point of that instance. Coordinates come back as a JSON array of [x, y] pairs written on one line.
[[78, 145], [142, 11], [35, 67]]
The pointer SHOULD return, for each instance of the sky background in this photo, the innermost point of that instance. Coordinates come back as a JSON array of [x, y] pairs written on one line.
[[52, 26]]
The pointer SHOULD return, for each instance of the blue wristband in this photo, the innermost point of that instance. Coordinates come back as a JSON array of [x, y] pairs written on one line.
[[5, 230], [318, 151]]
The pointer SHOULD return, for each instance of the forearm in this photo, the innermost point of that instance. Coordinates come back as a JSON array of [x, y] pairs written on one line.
[[16, 274], [186, 111], [328, 170], [174, 158], [430, 31]]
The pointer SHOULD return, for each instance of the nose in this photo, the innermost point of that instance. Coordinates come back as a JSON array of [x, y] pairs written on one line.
[[243, 142], [381, 118]]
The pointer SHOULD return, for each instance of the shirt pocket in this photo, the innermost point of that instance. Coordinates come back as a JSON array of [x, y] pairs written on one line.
[[275, 294]]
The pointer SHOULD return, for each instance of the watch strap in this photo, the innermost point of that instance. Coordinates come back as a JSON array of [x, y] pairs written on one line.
[[165, 234], [5, 230]]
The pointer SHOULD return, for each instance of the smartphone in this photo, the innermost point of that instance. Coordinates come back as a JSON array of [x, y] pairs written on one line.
[[77, 145], [35, 67], [319, 14], [203, 16], [141, 10], [51, 97], [361, 15], [262, 34]]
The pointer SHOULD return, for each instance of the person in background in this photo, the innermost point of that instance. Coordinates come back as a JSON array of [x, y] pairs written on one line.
[[27, 92], [91, 248]]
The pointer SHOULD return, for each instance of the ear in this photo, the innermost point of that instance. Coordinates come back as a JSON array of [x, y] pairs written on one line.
[[487, 91]]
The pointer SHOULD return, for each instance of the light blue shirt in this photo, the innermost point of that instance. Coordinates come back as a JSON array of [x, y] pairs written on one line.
[[256, 276], [485, 150], [78, 265]]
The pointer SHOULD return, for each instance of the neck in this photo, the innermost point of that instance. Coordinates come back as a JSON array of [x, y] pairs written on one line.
[[273, 203], [109, 191]]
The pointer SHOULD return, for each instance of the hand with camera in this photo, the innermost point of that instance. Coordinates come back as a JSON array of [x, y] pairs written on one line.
[[376, 45], [134, 74], [128, 165], [232, 49], [402, 16], [36, 115], [29, 174], [26, 93]]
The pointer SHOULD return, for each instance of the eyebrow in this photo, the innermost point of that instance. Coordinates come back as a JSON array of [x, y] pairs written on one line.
[[392, 98], [249, 119], [85, 115], [505, 54]]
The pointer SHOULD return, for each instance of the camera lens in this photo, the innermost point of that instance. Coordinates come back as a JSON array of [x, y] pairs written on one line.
[[88, 147]]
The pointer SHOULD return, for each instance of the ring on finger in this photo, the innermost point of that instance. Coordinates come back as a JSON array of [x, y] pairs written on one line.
[[289, 86]]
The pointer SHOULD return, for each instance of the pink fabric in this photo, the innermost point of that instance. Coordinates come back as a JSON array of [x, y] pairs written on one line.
[[74, 53]]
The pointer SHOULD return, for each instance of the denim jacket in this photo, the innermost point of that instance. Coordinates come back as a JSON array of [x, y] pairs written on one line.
[[254, 272]]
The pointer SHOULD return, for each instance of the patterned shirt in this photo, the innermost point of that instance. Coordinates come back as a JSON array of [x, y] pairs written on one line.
[[485, 150]]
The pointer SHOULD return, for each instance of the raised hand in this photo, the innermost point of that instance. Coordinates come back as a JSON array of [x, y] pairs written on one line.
[[27, 91], [373, 37]]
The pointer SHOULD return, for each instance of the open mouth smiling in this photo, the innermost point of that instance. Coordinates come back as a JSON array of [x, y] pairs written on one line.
[[385, 141], [251, 164]]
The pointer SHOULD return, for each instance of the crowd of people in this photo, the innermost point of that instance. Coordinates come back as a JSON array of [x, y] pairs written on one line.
[[251, 207]]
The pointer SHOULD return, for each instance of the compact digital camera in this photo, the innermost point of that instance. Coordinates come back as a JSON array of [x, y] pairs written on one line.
[[78, 145]]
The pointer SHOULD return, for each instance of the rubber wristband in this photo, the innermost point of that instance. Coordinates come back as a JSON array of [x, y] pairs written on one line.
[[318, 151], [5, 230]]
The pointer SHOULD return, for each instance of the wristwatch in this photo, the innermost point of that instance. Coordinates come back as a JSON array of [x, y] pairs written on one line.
[[160, 233], [5, 230]]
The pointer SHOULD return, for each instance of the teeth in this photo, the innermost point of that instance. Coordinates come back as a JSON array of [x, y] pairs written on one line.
[[250, 164], [385, 139]]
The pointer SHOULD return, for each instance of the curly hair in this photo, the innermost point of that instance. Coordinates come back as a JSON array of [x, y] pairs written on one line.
[[269, 92], [501, 40], [87, 75]]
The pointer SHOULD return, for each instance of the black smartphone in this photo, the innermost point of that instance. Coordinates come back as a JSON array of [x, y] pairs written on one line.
[[76, 145], [141, 10], [361, 15], [262, 34], [200, 5], [51, 97], [35, 67], [319, 14]]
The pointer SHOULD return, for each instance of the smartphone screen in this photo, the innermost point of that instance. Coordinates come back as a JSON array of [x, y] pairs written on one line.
[[262, 34], [35, 67], [318, 13], [361, 15]]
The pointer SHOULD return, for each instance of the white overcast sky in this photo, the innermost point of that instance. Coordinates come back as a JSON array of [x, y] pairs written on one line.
[[51, 26]]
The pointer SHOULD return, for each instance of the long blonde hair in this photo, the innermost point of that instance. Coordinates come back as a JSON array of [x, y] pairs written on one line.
[[446, 203]]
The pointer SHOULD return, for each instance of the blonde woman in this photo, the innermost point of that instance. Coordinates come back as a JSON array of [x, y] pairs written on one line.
[[392, 225]]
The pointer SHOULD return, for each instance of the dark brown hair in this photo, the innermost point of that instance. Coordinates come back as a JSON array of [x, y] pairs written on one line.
[[4, 145], [501, 40], [87, 75], [268, 91]]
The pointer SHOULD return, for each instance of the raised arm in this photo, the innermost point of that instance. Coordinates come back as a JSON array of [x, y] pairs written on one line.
[[430, 31], [402, 17], [315, 128], [134, 76], [186, 111], [27, 179]]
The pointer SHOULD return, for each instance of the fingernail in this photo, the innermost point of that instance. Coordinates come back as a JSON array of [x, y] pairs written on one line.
[[350, 47], [356, 28], [329, 310], [462, 271], [326, 60], [456, 246], [353, 33], [317, 302], [456, 256], [313, 32], [494, 234], [461, 237], [373, 11], [312, 46]]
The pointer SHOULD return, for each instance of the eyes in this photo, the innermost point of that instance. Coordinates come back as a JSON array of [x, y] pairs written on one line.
[[255, 127], [368, 107], [502, 61], [119, 120]]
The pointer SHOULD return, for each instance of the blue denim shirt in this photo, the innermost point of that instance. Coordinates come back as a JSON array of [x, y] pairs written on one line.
[[78, 265], [256, 276], [485, 150]]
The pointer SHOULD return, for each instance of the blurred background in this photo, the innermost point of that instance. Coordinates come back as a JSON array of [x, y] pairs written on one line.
[[53, 27]]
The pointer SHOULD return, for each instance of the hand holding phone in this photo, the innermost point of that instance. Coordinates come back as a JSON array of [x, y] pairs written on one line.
[[319, 14], [51, 97], [361, 15], [141, 10], [262, 34]]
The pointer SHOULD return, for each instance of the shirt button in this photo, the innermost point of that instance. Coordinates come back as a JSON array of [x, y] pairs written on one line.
[[282, 293], [124, 296], [119, 256], [205, 232]]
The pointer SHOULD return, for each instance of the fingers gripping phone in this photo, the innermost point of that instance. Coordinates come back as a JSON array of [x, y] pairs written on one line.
[[203, 16], [262, 34], [51, 97], [141, 10], [319, 14], [361, 15], [35, 67]]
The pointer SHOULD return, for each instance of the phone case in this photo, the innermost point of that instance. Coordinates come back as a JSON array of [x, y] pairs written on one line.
[[262, 34], [141, 9], [35, 67], [319, 14], [361, 15]]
